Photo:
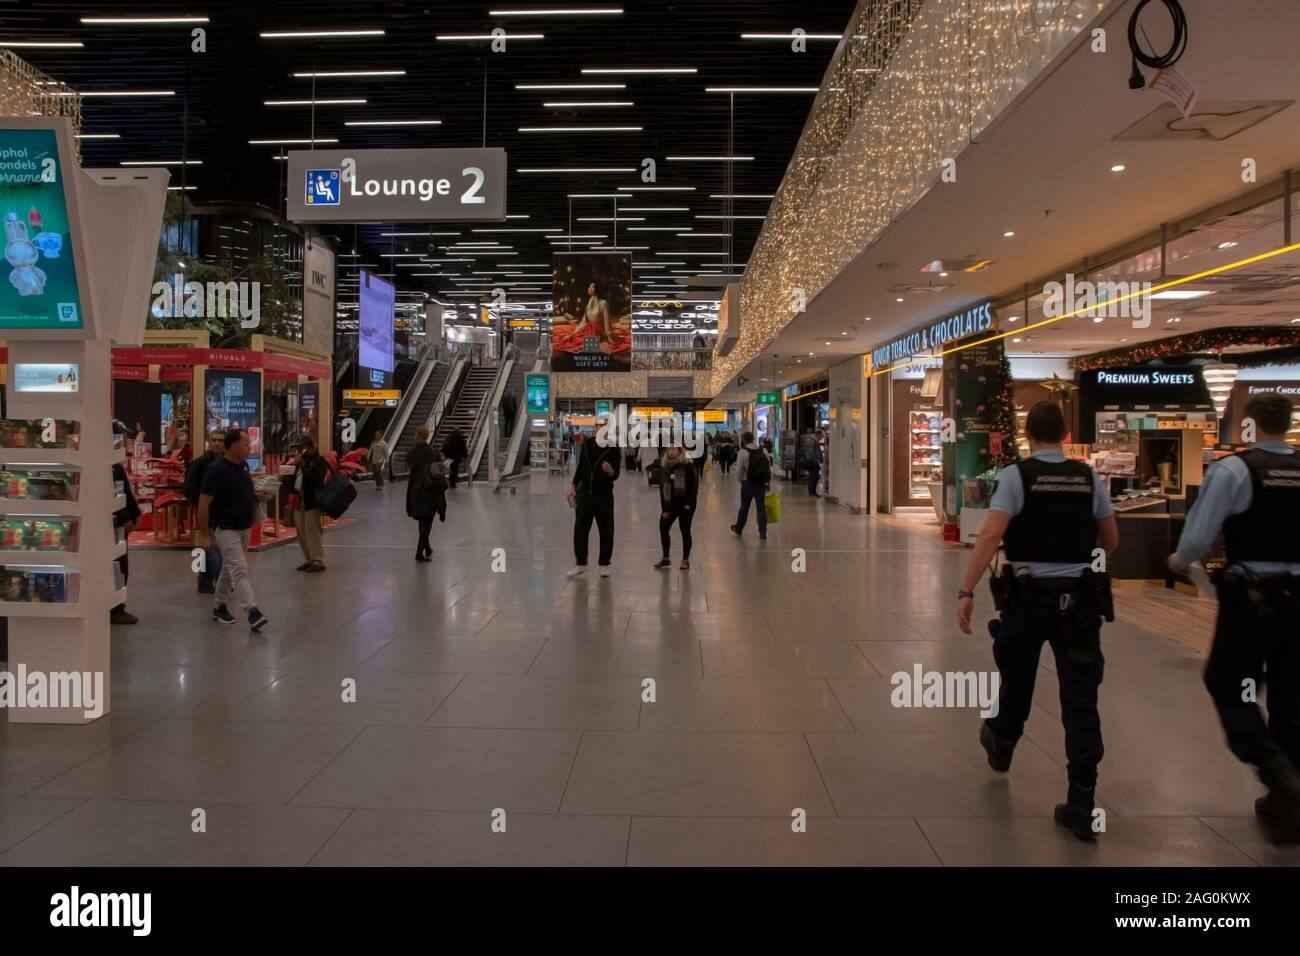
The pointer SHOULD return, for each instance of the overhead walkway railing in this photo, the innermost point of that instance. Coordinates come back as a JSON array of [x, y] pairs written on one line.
[[911, 85]]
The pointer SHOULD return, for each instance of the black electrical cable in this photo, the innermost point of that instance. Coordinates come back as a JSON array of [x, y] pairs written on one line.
[[1177, 47]]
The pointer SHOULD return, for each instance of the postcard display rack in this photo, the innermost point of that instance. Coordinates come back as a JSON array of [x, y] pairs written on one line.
[[61, 578]]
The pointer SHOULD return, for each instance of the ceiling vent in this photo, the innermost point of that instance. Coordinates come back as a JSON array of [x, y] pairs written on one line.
[[1212, 120], [920, 287]]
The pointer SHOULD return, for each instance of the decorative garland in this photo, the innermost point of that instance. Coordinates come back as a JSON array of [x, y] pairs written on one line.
[[1214, 340]]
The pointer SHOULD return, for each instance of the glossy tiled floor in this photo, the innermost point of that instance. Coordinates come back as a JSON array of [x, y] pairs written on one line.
[[522, 690]]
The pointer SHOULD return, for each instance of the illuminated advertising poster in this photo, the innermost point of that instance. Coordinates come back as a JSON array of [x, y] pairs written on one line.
[[45, 377], [309, 409], [591, 330], [39, 285], [234, 400], [378, 299]]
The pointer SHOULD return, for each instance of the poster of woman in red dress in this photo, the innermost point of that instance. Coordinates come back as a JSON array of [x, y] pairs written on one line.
[[591, 330]]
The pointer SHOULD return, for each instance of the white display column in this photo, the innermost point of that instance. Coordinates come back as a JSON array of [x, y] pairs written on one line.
[[82, 246], [59, 638]]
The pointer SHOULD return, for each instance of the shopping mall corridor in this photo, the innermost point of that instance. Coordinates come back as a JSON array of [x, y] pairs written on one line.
[[521, 690]]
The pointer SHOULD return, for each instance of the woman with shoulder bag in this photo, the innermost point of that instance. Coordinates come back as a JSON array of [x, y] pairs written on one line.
[[422, 500]]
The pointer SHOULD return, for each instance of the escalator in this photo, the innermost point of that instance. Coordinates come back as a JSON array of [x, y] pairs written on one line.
[[464, 412], [423, 406], [515, 384]]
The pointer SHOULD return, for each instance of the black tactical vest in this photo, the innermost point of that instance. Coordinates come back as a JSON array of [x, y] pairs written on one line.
[[1269, 530], [1056, 524]]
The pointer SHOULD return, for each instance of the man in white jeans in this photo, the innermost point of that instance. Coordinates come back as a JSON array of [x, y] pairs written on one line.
[[227, 506]]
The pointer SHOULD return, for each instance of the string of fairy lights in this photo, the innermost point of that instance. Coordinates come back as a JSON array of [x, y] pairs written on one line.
[[911, 84]]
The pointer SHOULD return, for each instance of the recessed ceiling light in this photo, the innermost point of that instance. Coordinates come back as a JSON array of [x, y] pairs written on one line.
[[558, 12], [1013, 318], [343, 102], [842, 333], [580, 129], [424, 122], [791, 36], [570, 86], [636, 70], [1295, 321], [161, 162], [99, 136], [943, 275], [110, 21], [1015, 341], [577, 104], [288, 142], [333, 74], [867, 319], [318, 34], [1226, 245], [899, 299], [761, 89], [1099, 319], [108, 93], [1008, 234], [485, 37], [1182, 293], [1118, 168], [39, 44]]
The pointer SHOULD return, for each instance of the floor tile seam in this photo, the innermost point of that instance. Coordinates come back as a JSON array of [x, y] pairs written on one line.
[[444, 700], [323, 767], [332, 834], [78, 802], [95, 754]]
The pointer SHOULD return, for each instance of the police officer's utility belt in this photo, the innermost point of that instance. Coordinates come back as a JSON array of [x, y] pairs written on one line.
[[1266, 593], [1091, 589]]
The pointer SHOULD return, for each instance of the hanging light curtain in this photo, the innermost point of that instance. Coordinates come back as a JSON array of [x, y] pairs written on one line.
[[1219, 379]]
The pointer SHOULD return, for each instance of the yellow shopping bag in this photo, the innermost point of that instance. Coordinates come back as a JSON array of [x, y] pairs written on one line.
[[772, 505]]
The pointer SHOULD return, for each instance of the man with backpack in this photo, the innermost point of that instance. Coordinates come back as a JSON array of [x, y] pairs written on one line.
[[754, 468]]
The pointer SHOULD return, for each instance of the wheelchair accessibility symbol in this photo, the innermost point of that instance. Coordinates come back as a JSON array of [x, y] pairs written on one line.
[[322, 187]]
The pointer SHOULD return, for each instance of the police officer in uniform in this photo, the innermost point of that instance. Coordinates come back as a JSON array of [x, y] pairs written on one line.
[[1052, 514], [1254, 497]]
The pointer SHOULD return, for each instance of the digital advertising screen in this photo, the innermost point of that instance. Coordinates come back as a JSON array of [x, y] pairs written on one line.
[[45, 377], [591, 328], [378, 299], [39, 286], [234, 400]]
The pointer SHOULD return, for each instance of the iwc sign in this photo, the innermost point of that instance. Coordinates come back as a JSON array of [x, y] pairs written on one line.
[[397, 185]]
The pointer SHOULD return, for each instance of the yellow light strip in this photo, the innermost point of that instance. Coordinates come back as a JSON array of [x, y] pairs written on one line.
[[1217, 270]]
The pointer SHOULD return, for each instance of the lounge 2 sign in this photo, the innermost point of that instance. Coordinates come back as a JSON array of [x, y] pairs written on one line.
[[397, 185]]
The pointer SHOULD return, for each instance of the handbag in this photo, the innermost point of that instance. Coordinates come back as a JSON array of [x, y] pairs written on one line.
[[772, 508]]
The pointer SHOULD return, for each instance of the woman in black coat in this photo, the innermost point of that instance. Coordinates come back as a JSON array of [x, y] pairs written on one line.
[[679, 485], [422, 491]]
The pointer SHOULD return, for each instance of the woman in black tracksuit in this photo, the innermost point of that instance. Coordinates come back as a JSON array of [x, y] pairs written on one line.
[[679, 485]]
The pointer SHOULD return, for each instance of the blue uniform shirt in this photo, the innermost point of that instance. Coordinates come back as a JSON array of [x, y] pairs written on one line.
[[1227, 491], [1009, 497]]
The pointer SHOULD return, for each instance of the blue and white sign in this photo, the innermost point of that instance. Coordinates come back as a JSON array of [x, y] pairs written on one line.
[[926, 338], [322, 187], [397, 185]]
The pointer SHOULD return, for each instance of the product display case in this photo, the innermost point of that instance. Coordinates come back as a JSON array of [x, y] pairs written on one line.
[[925, 456]]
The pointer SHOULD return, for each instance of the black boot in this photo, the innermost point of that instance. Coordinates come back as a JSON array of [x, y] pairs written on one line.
[[1076, 813], [999, 749], [1279, 811]]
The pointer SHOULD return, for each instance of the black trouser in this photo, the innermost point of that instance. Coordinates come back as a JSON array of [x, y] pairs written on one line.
[[598, 508], [422, 548], [1032, 617], [379, 474], [125, 565], [453, 471], [1249, 643], [814, 475], [676, 511]]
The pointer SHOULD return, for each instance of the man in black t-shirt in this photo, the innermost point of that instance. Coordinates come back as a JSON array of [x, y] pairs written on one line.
[[193, 483], [227, 510]]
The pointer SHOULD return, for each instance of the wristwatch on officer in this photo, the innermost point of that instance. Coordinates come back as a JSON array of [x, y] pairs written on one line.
[[965, 594]]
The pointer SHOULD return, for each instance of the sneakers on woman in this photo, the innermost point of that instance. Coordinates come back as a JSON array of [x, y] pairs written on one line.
[[663, 563], [576, 570]]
